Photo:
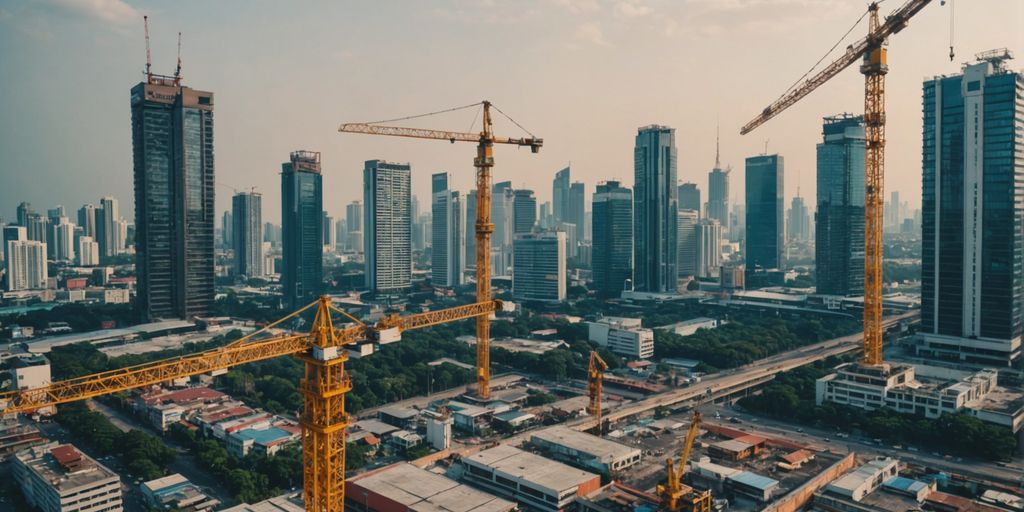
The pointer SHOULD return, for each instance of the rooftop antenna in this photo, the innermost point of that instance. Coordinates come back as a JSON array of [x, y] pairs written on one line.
[[177, 70], [765, 147], [149, 60], [718, 136]]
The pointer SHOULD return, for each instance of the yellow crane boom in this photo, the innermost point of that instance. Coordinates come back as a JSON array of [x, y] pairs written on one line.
[[323, 386], [595, 376], [675, 494], [483, 162], [872, 53]]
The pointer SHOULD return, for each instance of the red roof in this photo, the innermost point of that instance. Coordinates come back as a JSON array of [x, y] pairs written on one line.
[[371, 440], [66, 454], [186, 395], [751, 439], [797, 456], [951, 502]]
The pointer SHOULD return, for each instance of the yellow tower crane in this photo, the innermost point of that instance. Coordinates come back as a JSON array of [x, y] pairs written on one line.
[[484, 161], [323, 386], [675, 495], [595, 376], [871, 51]]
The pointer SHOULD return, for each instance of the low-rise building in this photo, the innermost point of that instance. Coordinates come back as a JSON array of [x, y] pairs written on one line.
[[404, 440], [737, 449], [862, 481], [163, 407], [534, 481], [15, 436], [264, 441], [757, 487], [175, 492], [291, 502], [59, 478], [923, 390], [586, 450], [691, 326], [29, 371], [624, 336], [616, 497], [401, 417], [404, 487]]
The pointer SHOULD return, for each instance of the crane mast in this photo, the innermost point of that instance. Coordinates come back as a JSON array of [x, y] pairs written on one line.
[[483, 162], [871, 51], [677, 496], [595, 376]]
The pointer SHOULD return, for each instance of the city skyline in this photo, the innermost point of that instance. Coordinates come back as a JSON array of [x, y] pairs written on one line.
[[250, 145]]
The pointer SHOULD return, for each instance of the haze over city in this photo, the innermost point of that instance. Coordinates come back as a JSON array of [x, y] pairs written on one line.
[[583, 74]]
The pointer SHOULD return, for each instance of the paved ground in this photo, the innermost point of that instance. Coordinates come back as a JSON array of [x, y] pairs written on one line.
[[422, 401]]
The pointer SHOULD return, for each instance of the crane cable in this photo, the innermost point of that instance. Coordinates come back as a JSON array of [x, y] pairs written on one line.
[[417, 116], [513, 121], [823, 57]]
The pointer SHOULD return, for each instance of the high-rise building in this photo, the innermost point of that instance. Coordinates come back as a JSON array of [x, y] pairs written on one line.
[[247, 238], [798, 223], [88, 252], [718, 193], [839, 232], [502, 200], [470, 230], [354, 216], [709, 248], [687, 237], [23, 211], [58, 478], [87, 220], [302, 206], [172, 141], [655, 206], [577, 212], [447, 240], [612, 256], [766, 229], [972, 282], [227, 229], [546, 220], [108, 216], [329, 232], [893, 210], [341, 235], [387, 225], [560, 196], [37, 227], [524, 207], [689, 197], [63, 239], [26, 265], [539, 271]]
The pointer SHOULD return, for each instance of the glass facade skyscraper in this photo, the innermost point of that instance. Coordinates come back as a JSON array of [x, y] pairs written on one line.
[[972, 282], [302, 205], [524, 207], [613, 238], [766, 229], [387, 243], [448, 242], [839, 232], [689, 197], [655, 206], [247, 234], [560, 196], [172, 142]]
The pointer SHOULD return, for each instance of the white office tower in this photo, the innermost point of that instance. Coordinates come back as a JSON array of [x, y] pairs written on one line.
[[709, 247], [26, 265], [63, 240], [447, 242], [88, 252], [387, 226], [539, 271]]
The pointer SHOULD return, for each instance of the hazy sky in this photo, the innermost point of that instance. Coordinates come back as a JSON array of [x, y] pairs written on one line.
[[582, 74]]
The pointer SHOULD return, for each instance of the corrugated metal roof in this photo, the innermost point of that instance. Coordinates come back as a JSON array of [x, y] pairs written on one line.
[[754, 480]]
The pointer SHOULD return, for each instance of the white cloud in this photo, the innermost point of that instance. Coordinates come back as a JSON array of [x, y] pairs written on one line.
[[632, 8], [579, 6], [111, 11], [591, 33]]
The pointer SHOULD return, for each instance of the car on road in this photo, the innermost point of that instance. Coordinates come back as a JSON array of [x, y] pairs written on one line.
[[734, 420], [800, 430]]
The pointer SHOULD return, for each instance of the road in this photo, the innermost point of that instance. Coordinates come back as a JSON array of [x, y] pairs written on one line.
[[737, 378], [730, 380], [822, 439]]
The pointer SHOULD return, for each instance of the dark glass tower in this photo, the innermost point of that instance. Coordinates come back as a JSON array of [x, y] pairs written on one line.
[[972, 282], [839, 233], [302, 206], [172, 142], [655, 203], [247, 234], [689, 197], [766, 230], [613, 238], [524, 208]]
